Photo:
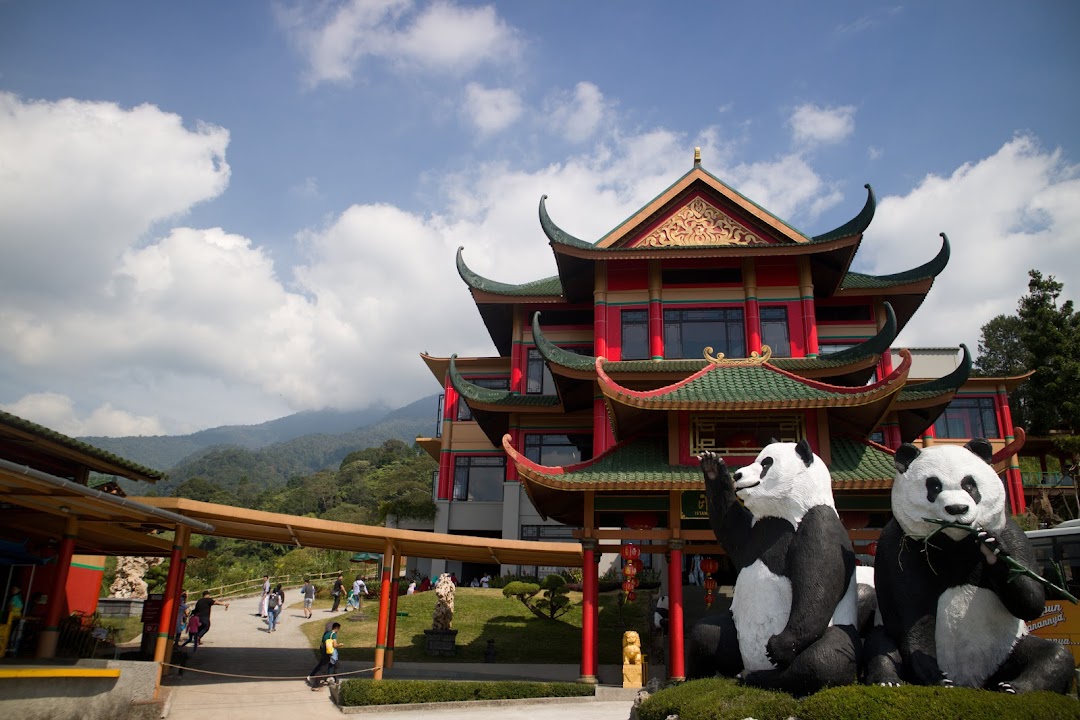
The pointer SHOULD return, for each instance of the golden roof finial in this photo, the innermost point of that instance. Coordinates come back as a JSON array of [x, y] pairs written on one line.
[[697, 156]]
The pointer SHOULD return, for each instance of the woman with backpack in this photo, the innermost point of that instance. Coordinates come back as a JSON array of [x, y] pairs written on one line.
[[274, 603]]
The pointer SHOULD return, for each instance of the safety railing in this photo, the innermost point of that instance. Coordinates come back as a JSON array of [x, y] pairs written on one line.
[[254, 586], [1046, 480]]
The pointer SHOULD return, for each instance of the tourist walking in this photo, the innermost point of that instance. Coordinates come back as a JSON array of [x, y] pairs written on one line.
[[182, 613], [336, 590], [327, 655], [359, 589], [274, 602], [202, 611], [308, 593], [263, 607]]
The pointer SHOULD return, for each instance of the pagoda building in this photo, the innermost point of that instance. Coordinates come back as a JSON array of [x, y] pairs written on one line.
[[702, 322]]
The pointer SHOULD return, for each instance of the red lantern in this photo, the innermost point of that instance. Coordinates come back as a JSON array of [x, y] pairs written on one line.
[[631, 596], [710, 585], [628, 586], [640, 520], [637, 562], [634, 581], [630, 570], [709, 565], [708, 599], [630, 552]]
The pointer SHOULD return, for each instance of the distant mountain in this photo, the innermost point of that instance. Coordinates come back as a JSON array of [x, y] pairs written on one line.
[[304, 440]]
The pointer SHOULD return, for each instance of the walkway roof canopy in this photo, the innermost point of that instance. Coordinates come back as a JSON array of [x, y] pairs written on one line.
[[284, 529]]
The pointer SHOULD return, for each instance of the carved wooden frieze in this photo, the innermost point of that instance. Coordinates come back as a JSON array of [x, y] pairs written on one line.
[[699, 223]]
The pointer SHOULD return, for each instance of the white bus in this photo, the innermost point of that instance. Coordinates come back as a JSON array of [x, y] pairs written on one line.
[[1057, 557]]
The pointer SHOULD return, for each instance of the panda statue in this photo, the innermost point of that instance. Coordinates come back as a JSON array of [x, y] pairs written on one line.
[[792, 620], [951, 615], [660, 615]]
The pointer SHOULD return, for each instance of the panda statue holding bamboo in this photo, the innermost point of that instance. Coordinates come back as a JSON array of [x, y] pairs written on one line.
[[792, 620], [952, 613]]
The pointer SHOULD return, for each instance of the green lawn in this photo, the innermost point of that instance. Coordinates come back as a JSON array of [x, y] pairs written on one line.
[[482, 614]]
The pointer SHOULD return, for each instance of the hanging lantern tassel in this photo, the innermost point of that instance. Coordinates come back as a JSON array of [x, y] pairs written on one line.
[[710, 585]]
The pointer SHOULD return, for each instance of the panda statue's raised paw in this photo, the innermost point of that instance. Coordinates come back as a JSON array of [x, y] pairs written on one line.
[[792, 620], [951, 613]]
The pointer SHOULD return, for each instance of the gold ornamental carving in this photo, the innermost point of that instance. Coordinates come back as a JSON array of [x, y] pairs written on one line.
[[755, 358], [699, 223]]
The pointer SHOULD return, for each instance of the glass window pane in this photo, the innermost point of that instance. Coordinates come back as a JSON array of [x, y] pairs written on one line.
[[635, 334], [774, 331]]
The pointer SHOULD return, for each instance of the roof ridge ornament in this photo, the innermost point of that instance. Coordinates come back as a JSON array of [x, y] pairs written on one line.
[[697, 157], [754, 360]]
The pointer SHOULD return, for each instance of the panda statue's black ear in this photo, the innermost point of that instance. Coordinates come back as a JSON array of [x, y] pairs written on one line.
[[905, 455], [982, 448], [802, 449]]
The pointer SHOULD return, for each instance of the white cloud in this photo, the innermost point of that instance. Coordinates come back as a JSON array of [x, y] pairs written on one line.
[[80, 180], [57, 412], [491, 110], [814, 125], [578, 115], [439, 37], [1013, 211]]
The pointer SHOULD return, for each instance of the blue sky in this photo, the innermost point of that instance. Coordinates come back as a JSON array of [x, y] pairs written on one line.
[[221, 213]]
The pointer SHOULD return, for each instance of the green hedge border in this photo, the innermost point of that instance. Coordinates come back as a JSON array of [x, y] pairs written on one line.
[[399, 692], [725, 699]]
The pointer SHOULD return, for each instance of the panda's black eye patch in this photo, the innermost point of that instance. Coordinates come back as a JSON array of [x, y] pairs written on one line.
[[971, 488], [765, 465], [933, 488]]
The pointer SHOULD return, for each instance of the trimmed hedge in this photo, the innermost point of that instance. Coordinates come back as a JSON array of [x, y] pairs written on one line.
[[718, 699], [725, 699], [913, 702], [397, 692]]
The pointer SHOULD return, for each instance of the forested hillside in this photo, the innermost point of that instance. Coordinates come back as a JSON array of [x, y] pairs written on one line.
[[164, 452]]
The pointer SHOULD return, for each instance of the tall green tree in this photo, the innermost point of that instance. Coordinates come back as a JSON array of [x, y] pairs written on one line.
[[1002, 354], [1050, 334]]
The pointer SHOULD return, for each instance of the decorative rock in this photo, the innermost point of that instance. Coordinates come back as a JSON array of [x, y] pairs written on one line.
[[129, 581], [443, 616]]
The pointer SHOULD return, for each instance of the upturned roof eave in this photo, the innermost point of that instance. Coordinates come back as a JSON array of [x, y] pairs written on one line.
[[840, 395]]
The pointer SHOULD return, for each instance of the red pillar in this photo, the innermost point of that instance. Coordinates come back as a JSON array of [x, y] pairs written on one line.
[[384, 609], [753, 326], [676, 659], [392, 620], [167, 621], [656, 329], [50, 633], [1013, 478], [589, 584]]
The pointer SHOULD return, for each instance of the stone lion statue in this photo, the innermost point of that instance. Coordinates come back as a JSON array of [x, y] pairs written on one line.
[[631, 648]]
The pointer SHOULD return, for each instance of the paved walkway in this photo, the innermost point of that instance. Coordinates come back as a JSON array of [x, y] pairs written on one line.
[[239, 643]]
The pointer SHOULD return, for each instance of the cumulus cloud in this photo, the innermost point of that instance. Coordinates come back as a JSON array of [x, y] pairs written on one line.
[[577, 115], [814, 125], [57, 412], [1005, 214], [491, 110], [80, 180], [438, 37]]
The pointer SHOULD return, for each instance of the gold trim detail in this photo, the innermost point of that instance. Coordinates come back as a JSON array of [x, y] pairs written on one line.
[[754, 360], [699, 223]]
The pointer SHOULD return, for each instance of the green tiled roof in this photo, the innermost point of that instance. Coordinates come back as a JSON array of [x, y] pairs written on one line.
[[488, 396], [853, 460], [89, 450], [549, 286], [946, 384], [926, 271], [753, 384], [685, 365], [555, 354], [646, 461]]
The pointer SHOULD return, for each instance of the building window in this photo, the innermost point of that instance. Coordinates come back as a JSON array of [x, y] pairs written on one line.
[[558, 450], [843, 313], [968, 418], [538, 380], [774, 330], [479, 478], [435, 483], [545, 533], [688, 332], [464, 412], [635, 335], [829, 348], [439, 416]]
